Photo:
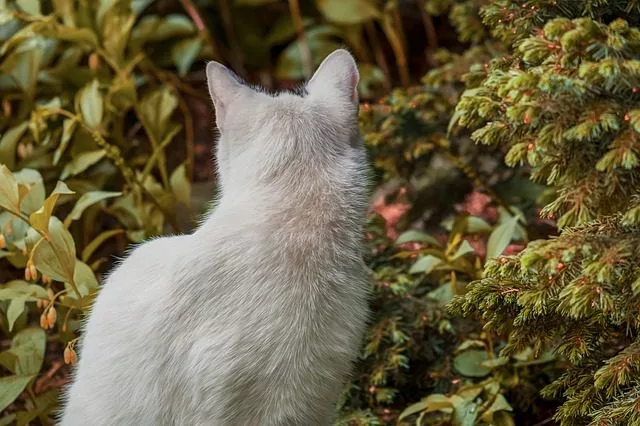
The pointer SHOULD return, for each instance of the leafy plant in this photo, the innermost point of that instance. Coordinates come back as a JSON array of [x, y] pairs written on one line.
[[564, 101], [89, 100]]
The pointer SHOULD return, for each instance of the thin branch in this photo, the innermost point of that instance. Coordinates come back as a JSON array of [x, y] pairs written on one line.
[[378, 53], [305, 50], [427, 20], [188, 136], [398, 49], [196, 17], [237, 57]]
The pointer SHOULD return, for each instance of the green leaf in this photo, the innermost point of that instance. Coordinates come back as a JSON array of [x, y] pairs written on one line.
[[39, 219], [416, 236], [501, 237], [477, 225], [9, 195], [284, 30], [464, 248], [82, 162], [87, 199], [634, 119], [68, 127], [499, 404], [184, 53], [442, 294], [348, 12], [9, 360], [32, 7], [18, 288], [122, 93], [9, 419], [321, 41], [425, 265], [32, 190], [465, 411], [97, 241], [434, 402], [56, 257], [152, 28], [16, 308], [44, 403], [180, 185], [91, 104], [76, 35], [84, 278], [155, 110], [29, 346], [23, 64], [495, 362], [11, 387], [469, 363], [8, 144]]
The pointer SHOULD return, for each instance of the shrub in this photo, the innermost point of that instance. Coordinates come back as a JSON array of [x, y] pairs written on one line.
[[566, 101], [89, 107]]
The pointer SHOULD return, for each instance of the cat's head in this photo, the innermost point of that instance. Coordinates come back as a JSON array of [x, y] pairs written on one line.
[[263, 134]]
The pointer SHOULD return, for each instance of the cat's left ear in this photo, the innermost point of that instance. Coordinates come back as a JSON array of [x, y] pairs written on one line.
[[338, 72], [224, 87]]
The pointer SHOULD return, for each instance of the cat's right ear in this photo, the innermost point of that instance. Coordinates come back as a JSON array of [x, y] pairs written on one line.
[[224, 87]]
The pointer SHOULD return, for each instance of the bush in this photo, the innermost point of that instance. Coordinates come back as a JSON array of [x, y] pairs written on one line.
[[566, 101], [89, 111]]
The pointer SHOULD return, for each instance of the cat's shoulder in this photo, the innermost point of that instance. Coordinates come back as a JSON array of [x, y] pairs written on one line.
[[157, 251]]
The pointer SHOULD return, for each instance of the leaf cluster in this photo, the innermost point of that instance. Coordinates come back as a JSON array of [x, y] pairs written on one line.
[[90, 94]]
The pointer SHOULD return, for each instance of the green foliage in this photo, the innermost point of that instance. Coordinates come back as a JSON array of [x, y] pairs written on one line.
[[564, 101], [89, 104]]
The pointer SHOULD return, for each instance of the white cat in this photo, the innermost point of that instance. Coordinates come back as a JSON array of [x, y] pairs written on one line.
[[256, 317]]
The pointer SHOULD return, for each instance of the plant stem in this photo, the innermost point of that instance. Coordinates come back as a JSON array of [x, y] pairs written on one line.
[[236, 57], [398, 49], [196, 17], [113, 152], [432, 36], [188, 136], [305, 50], [378, 53]]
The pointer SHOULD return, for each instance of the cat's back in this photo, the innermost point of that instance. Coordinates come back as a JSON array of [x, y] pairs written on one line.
[[125, 340], [280, 311]]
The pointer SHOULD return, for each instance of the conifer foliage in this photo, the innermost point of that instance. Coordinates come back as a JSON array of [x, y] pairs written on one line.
[[565, 102]]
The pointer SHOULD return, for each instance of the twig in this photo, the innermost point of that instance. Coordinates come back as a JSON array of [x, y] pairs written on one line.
[[432, 36], [237, 57], [113, 153], [544, 422], [398, 49], [196, 17], [305, 50], [378, 53], [188, 136]]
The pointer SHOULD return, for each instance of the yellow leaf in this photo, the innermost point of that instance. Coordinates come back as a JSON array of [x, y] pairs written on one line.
[[180, 185], [40, 218], [9, 195]]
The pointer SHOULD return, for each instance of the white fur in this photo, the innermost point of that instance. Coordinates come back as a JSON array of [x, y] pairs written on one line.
[[256, 317]]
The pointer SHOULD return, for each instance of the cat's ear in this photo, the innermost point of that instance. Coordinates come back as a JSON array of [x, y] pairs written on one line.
[[224, 87], [338, 72]]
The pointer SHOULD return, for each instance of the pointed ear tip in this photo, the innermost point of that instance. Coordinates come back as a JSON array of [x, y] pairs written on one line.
[[343, 54], [212, 66]]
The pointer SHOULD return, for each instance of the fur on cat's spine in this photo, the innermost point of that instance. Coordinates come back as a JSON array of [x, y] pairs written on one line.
[[255, 318]]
